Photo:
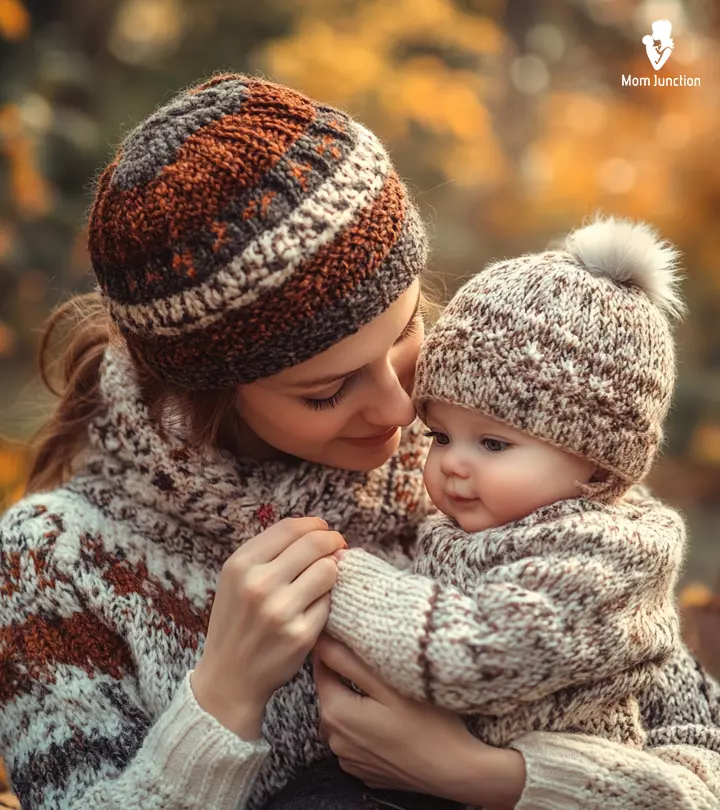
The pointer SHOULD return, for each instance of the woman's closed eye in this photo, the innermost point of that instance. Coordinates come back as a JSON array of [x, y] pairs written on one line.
[[328, 402], [332, 401], [412, 325]]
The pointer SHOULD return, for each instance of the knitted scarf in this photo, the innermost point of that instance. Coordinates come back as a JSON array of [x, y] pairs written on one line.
[[228, 499], [107, 586]]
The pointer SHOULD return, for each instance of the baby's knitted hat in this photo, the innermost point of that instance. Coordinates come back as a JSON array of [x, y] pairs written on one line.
[[572, 346], [244, 228]]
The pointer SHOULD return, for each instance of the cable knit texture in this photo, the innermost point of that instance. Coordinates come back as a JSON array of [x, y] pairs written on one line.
[[107, 585], [597, 775]]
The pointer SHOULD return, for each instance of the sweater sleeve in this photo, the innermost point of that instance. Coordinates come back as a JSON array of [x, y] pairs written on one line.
[[73, 727], [577, 772], [529, 627]]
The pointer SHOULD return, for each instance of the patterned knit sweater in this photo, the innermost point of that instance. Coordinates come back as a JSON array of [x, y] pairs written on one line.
[[558, 621], [106, 589], [106, 586]]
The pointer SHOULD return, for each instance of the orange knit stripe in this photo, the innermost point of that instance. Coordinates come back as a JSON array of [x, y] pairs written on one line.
[[214, 165], [331, 275]]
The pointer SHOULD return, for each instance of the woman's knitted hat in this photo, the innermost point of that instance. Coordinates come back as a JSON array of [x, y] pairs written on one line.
[[572, 346], [244, 228]]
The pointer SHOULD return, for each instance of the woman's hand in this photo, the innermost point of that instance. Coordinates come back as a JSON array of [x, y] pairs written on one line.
[[271, 603], [390, 741]]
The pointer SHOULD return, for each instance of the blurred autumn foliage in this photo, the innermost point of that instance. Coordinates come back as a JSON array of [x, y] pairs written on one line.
[[507, 118]]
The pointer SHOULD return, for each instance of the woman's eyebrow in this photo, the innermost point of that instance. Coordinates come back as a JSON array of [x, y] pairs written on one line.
[[316, 381]]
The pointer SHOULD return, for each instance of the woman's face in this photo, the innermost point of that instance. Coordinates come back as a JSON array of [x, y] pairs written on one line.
[[325, 409]]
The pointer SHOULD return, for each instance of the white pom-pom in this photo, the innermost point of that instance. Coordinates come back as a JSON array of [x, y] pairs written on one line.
[[631, 253]]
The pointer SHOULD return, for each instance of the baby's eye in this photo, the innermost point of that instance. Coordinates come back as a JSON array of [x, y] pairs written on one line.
[[440, 438], [494, 445]]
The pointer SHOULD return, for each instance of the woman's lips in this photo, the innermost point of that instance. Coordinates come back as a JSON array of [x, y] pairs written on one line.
[[374, 441]]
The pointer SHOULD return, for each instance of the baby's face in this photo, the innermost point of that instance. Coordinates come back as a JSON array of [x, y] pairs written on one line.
[[484, 474]]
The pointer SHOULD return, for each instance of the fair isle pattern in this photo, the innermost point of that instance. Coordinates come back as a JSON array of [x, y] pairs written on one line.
[[243, 228], [544, 345], [107, 587], [559, 621], [274, 255]]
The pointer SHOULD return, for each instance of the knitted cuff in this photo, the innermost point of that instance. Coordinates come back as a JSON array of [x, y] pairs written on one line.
[[381, 613], [559, 768], [198, 759]]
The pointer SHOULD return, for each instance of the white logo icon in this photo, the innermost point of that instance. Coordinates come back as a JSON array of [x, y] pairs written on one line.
[[658, 53]]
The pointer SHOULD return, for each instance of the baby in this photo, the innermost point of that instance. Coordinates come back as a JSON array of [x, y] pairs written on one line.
[[543, 596]]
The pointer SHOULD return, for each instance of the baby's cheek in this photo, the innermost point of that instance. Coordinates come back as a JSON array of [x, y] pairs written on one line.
[[544, 484], [431, 476], [526, 487]]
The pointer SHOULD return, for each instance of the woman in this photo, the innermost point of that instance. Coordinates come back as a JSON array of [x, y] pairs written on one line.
[[245, 380]]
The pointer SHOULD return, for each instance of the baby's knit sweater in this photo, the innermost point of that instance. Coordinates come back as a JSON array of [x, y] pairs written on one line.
[[106, 586], [559, 621]]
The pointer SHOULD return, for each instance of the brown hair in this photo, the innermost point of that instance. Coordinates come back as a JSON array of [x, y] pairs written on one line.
[[210, 414], [64, 435]]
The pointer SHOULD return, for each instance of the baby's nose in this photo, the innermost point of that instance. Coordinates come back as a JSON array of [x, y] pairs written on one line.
[[455, 462]]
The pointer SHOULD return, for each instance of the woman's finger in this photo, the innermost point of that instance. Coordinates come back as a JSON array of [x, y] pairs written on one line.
[[315, 617], [271, 542], [343, 661], [313, 583], [338, 703], [327, 681], [306, 550]]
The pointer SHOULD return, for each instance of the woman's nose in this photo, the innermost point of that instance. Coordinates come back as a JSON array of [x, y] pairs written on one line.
[[391, 402]]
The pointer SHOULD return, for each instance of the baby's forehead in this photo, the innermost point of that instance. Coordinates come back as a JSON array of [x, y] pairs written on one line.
[[448, 415]]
